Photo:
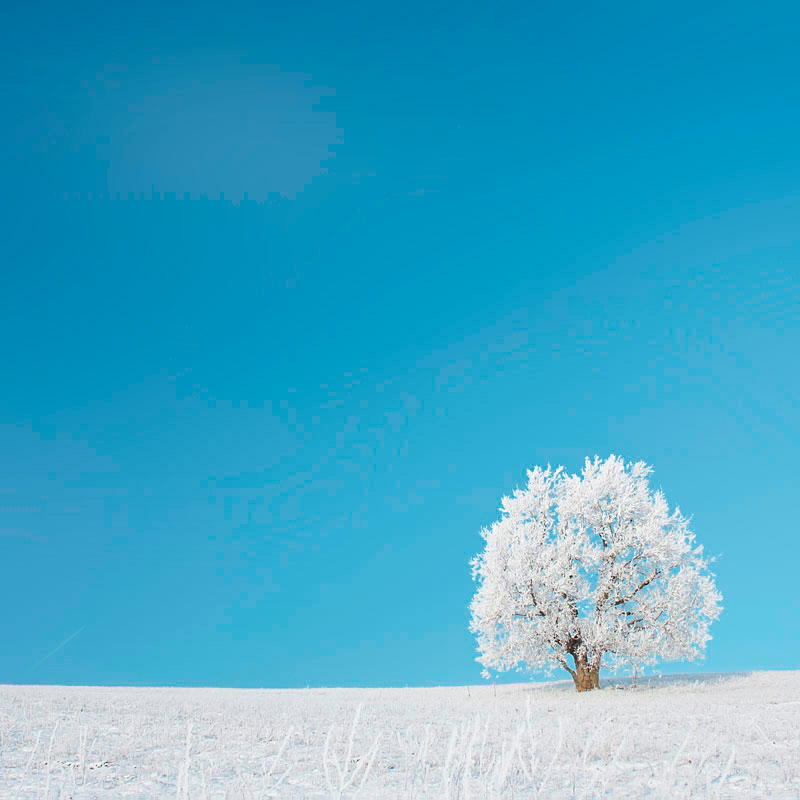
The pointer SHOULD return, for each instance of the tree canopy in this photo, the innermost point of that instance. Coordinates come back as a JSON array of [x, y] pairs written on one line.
[[589, 571]]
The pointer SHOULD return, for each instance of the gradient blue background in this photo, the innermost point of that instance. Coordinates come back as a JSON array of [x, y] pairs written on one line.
[[251, 442]]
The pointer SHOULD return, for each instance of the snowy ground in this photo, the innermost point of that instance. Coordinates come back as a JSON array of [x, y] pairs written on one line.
[[734, 736]]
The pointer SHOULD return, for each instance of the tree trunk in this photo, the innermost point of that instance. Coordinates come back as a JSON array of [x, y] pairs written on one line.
[[586, 677]]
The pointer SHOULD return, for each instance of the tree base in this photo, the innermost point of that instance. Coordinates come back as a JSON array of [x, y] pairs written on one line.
[[586, 679]]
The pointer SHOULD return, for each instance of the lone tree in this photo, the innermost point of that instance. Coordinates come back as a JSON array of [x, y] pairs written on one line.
[[590, 570]]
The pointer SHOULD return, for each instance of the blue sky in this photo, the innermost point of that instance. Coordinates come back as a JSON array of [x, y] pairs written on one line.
[[251, 442]]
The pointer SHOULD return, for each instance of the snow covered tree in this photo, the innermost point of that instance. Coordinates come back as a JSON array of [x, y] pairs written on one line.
[[590, 570]]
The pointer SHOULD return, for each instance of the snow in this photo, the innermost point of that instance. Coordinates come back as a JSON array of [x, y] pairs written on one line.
[[692, 736]]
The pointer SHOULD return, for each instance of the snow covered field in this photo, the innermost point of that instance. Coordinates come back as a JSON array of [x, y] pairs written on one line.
[[718, 736]]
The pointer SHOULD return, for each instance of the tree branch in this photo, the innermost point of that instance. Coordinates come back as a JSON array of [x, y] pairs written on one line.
[[637, 589], [567, 667]]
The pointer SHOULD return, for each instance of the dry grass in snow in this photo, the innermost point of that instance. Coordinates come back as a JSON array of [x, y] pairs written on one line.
[[712, 737]]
